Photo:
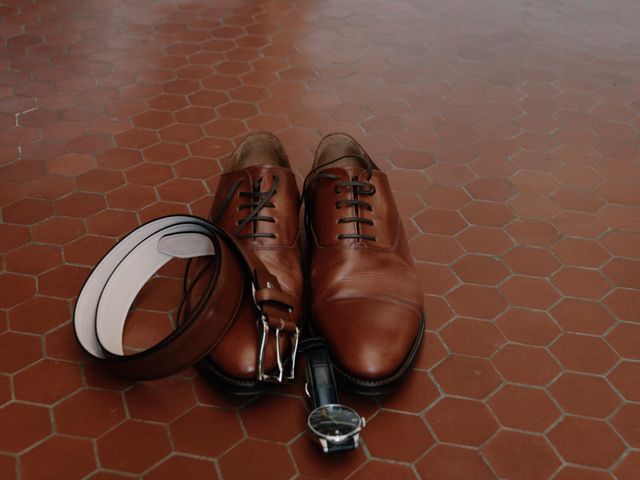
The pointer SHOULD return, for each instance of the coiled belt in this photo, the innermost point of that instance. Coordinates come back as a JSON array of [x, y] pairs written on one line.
[[107, 295]]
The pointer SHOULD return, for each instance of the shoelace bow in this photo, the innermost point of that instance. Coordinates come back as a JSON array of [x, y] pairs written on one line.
[[360, 188]]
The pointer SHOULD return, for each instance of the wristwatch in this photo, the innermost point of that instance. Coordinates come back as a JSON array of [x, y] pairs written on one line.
[[333, 426]]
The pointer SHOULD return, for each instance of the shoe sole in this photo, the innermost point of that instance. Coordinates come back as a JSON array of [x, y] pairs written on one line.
[[229, 384]]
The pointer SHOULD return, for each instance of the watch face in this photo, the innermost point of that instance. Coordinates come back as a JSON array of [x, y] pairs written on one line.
[[334, 422]]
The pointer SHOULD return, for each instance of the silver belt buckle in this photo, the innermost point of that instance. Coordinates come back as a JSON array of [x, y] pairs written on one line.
[[263, 333]]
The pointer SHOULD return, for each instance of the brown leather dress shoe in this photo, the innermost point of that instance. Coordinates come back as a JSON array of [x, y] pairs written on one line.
[[365, 297], [257, 203]]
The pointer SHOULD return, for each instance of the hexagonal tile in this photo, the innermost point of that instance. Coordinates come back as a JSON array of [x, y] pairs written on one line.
[[89, 413], [526, 365], [24, 425], [385, 436], [133, 446], [523, 408], [467, 376], [529, 292], [628, 468], [205, 431], [472, 337], [438, 221], [487, 240], [59, 456], [624, 339], [531, 261], [583, 353], [527, 326], [627, 423], [582, 316], [46, 381], [584, 395], [180, 466], [519, 455], [582, 283], [258, 418], [476, 301], [450, 419], [160, 401], [599, 446], [480, 269]]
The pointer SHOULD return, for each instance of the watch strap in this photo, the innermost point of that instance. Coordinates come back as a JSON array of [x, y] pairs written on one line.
[[321, 382]]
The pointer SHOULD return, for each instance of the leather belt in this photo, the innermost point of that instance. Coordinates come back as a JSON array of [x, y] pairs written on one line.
[[107, 295]]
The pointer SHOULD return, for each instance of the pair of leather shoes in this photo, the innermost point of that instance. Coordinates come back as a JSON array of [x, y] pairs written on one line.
[[363, 292]]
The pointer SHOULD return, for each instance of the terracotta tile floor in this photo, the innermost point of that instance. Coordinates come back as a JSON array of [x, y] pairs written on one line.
[[510, 131]]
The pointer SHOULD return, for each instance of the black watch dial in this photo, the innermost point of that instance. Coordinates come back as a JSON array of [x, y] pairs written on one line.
[[334, 422]]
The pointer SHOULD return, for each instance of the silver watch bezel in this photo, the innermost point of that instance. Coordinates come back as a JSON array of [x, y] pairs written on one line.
[[335, 438]]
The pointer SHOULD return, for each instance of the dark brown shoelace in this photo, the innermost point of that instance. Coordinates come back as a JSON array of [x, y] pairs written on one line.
[[359, 189], [257, 200]]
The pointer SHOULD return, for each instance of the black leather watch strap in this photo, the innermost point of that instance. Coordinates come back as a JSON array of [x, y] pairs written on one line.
[[341, 447], [321, 383]]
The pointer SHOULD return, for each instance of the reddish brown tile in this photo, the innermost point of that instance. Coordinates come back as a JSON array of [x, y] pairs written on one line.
[[582, 316], [480, 269], [160, 401], [268, 459], [33, 259], [627, 423], [578, 473], [518, 455], [623, 378], [435, 248], [526, 365], [628, 468], [476, 301], [533, 232], [15, 289], [472, 337], [527, 326], [464, 422], [178, 466], [18, 350], [581, 283], [584, 353], [8, 467], [531, 261], [89, 413], [23, 425], [71, 164], [133, 446], [415, 393], [312, 463], [259, 416], [446, 462], [378, 469], [386, 432], [27, 211], [58, 230], [467, 376], [47, 381], [599, 446], [438, 221], [486, 240], [205, 431], [624, 339], [523, 408], [584, 395], [59, 456], [529, 292]]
